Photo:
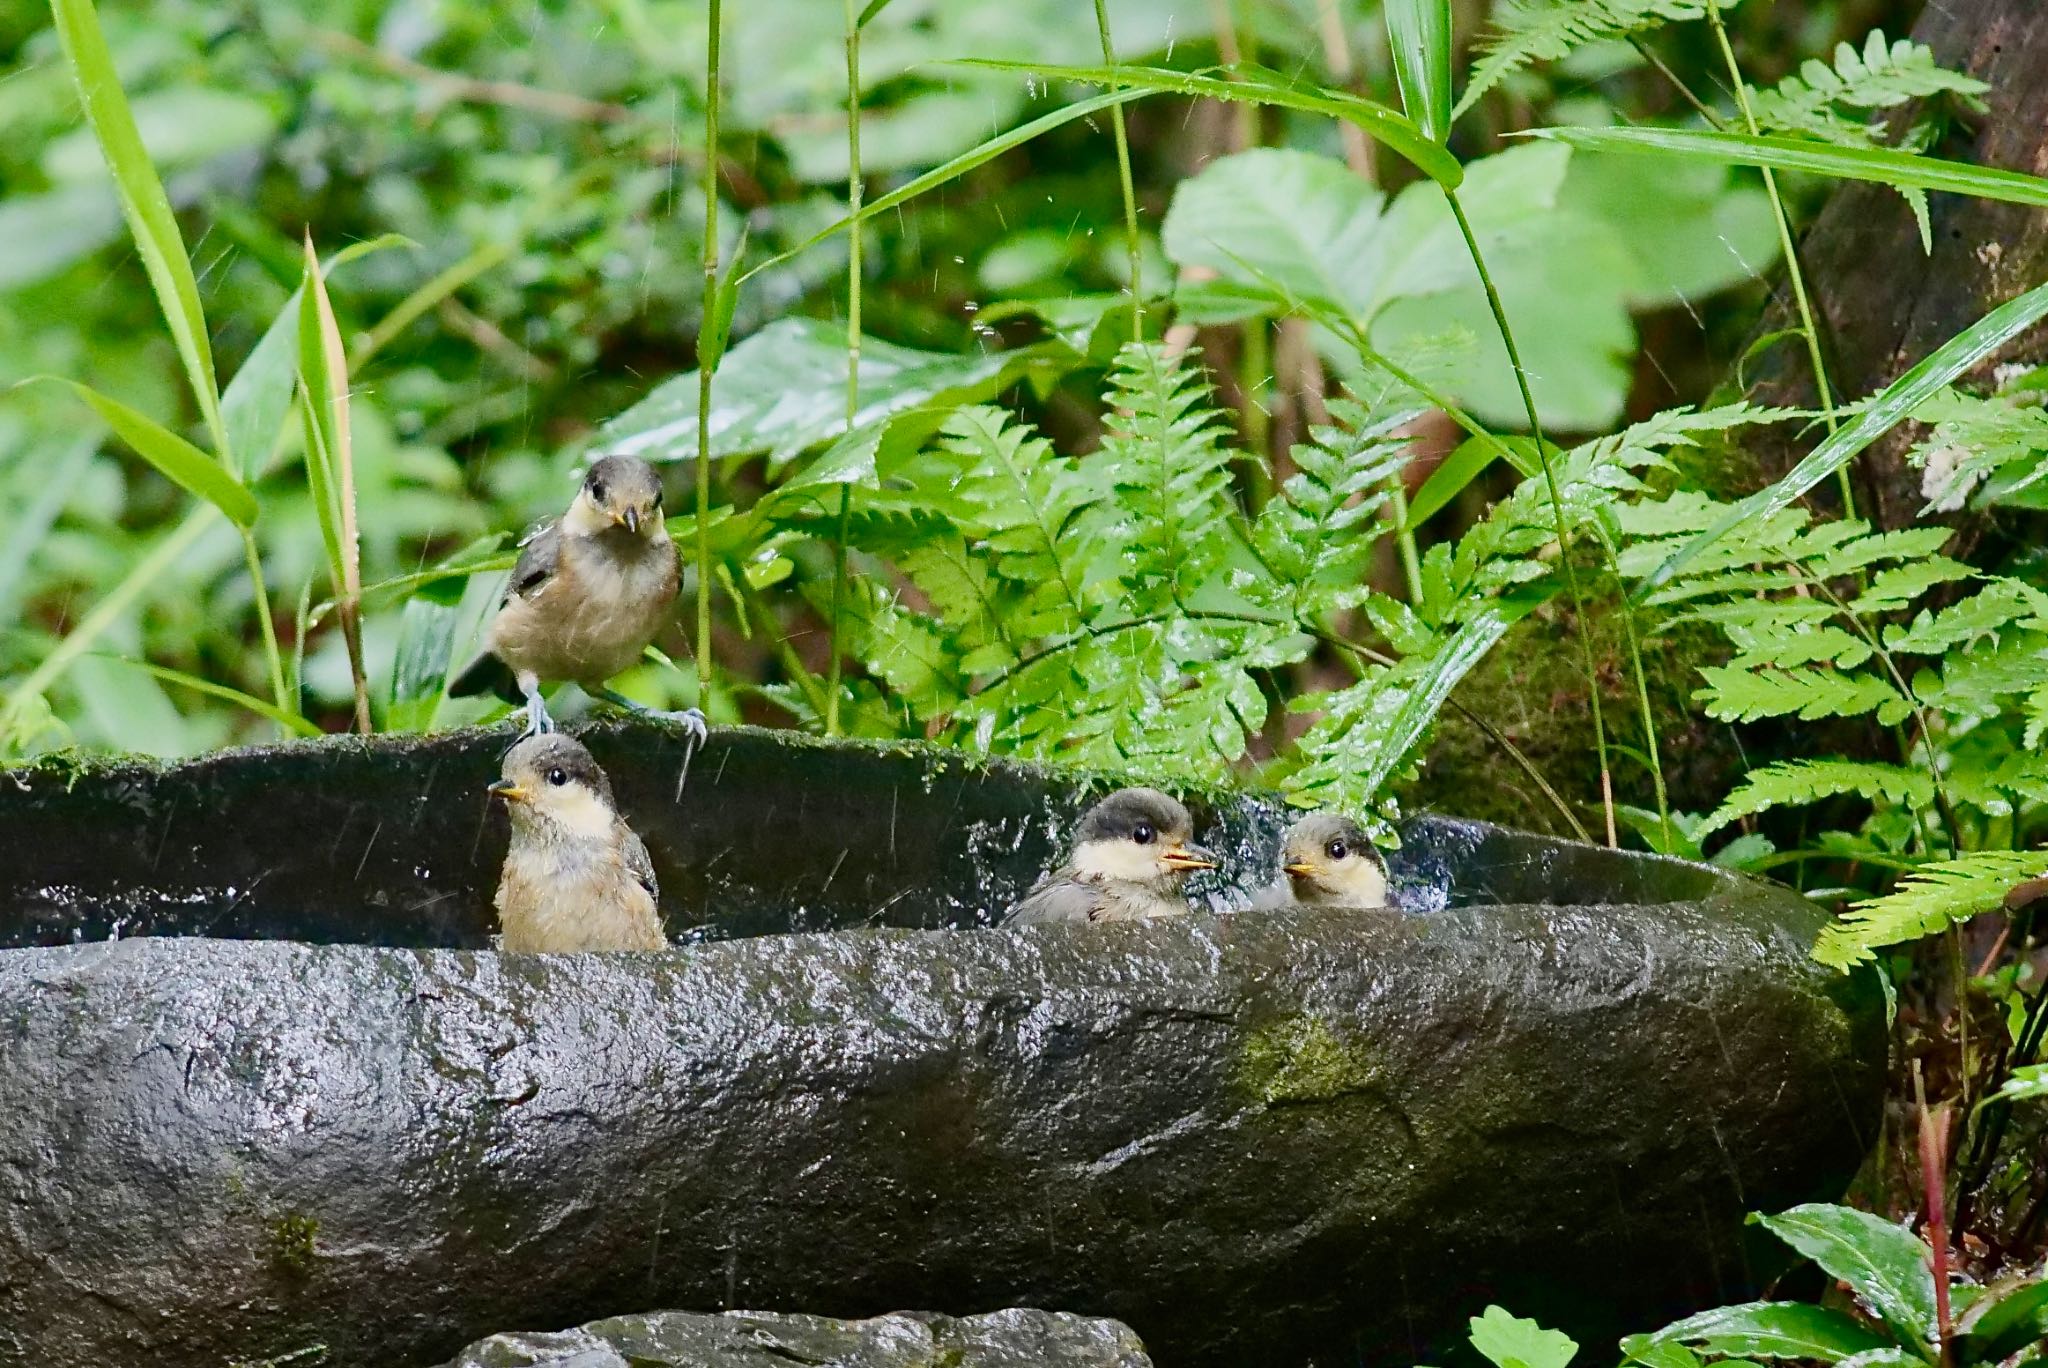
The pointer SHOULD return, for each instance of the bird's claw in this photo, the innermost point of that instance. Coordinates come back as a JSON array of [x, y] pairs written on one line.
[[538, 723], [693, 722]]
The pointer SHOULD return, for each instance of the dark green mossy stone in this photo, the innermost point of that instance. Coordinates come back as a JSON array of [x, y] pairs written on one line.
[[299, 1104]]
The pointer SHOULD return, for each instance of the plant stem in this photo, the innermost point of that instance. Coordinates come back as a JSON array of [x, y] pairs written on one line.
[[1123, 170], [853, 289], [1650, 745], [271, 655], [1404, 537], [1564, 543], [716, 24], [1786, 245]]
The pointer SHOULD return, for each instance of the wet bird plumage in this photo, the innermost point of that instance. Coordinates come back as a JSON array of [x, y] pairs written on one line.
[[1132, 853], [576, 877]]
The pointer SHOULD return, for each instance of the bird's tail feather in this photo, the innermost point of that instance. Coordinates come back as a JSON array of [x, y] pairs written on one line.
[[486, 674]]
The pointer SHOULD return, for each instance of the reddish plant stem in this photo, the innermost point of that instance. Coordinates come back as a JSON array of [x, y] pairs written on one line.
[[1934, 1182]]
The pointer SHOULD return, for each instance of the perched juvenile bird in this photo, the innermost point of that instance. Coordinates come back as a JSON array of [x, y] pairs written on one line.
[[576, 877], [1327, 861], [1131, 855], [589, 592]]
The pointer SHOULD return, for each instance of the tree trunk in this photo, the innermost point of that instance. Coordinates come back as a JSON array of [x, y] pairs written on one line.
[[1883, 302]]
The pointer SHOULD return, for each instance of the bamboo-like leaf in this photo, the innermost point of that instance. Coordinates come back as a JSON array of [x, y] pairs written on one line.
[[323, 381], [1261, 86], [980, 154], [1419, 34], [1886, 166], [1894, 403], [290, 721], [874, 7], [1462, 467], [143, 203], [186, 465]]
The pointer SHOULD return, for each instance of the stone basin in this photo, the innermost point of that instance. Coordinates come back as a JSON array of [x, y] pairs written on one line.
[[263, 1086]]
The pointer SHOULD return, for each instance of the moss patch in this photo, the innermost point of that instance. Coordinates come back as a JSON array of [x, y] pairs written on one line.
[[1299, 1060], [291, 1249]]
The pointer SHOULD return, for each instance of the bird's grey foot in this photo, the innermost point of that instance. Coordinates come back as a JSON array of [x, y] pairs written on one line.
[[538, 723], [691, 718]]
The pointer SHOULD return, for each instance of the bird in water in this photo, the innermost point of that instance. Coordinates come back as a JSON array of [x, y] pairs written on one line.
[[576, 877], [1132, 852], [1327, 860], [589, 592]]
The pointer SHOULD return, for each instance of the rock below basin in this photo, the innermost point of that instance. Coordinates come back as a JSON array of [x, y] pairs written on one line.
[[307, 1106], [1016, 1338]]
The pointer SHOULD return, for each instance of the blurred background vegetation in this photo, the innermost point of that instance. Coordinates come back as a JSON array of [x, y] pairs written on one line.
[[543, 161]]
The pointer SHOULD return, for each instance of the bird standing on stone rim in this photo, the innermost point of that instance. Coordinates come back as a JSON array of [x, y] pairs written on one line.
[[1132, 852], [576, 877], [1327, 860], [588, 594]]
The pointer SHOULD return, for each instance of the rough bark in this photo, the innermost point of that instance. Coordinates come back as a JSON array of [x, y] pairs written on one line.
[[1884, 302], [1557, 1081]]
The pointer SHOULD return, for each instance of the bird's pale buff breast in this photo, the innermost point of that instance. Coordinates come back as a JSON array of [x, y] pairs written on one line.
[[553, 899], [590, 619]]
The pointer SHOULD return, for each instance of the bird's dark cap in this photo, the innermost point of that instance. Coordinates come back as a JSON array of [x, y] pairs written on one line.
[[626, 479], [1116, 817], [534, 759]]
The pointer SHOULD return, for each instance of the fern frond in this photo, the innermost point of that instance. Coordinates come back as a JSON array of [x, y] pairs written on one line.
[[1734, 695], [1529, 31], [1998, 605], [1317, 539], [1896, 586], [1974, 438], [1165, 460], [1930, 899], [1795, 783], [1878, 77]]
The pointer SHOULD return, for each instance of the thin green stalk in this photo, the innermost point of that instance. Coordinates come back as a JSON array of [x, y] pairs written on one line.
[[716, 23], [1650, 742], [1254, 370], [1564, 543], [1404, 537], [271, 655], [1123, 169], [1807, 327], [854, 190]]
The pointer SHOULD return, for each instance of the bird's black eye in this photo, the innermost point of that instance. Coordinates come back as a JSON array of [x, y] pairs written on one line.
[[1337, 850], [558, 777], [1142, 833], [597, 491]]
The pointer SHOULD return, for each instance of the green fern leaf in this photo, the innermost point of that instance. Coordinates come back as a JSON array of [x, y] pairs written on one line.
[[1978, 440], [1733, 695], [1930, 899], [1165, 466], [1878, 77], [1529, 31], [1896, 586], [1795, 783], [1999, 605]]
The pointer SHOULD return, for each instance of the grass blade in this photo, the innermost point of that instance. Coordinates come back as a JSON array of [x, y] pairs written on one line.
[[290, 721], [1893, 404], [873, 8], [143, 202], [1419, 34], [978, 155], [1260, 86], [1884, 165], [184, 464], [323, 383]]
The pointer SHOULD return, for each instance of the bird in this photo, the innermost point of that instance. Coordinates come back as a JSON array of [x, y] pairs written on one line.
[[1132, 852], [1326, 860], [576, 877], [589, 592]]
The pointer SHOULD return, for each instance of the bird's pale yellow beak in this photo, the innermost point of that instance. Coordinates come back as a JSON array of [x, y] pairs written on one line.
[[509, 791], [1301, 867], [1187, 857]]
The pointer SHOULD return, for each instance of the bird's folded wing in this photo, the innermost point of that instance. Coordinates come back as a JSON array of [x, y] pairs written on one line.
[[537, 561], [641, 865], [1055, 901]]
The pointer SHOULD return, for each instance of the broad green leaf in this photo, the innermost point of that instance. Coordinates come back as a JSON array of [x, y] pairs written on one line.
[[1258, 85], [783, 392], [426, 643], [1303, 220], [290, 721], [1883, 165], [2007, 1316], [2027, 1083], [190, 468], [1512, 1342], [179, 126], [42, 234], [1893, 404], [1778, 1330], [143, 203], [1888, 1268], [1691, 230], [1419, 36]]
